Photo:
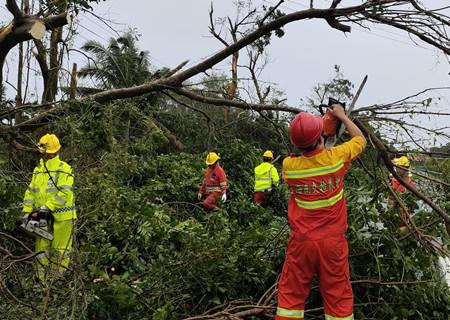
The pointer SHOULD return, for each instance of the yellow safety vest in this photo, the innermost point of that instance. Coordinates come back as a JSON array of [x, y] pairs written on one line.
[[265, 175], [55, 193]]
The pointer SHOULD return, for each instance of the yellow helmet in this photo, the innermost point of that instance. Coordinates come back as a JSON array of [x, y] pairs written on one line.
[[49, 143], [268, 154], [211, 158], [403, 161]]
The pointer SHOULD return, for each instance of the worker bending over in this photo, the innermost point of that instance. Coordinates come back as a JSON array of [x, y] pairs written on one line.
[[317, 216], [266, 176], [50, 193], [214, 185]]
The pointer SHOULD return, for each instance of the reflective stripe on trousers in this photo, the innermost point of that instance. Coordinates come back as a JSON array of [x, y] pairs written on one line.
[[328, 317], [297, 314]]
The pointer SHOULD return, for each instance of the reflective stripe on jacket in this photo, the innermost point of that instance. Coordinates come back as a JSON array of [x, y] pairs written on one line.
[[55, 193], [215, 180], [265, 175]]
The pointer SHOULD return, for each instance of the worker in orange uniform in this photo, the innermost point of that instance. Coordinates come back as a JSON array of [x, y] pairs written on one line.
[[402, 168], [214, 186], [266, 176], [317, 216]]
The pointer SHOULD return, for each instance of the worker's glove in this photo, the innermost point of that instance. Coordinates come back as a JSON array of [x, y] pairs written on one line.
[[224, 197], [22, 219], [199, 196]]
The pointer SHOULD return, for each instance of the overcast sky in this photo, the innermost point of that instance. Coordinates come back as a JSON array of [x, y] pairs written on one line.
[[174, 30]]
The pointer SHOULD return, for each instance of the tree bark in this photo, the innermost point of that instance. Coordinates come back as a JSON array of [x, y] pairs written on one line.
[[73, 82], [18, 115], [54, 67], [19, 99], [41, 57]]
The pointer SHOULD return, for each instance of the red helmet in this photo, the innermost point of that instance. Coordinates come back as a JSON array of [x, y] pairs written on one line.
[[305, 129]]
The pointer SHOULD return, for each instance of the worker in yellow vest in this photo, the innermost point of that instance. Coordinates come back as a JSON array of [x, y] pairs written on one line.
[[266, 176], [50, 195]]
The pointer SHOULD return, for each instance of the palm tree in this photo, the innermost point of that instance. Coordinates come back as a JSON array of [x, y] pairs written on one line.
[[119, 64]]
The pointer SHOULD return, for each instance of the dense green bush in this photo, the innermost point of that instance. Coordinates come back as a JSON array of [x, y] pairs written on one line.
[[146, 250]]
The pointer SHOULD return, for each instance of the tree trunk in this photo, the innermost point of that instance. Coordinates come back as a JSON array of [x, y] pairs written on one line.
[[52, 85], [41, 57], [73, 83], [19, 100], [18, 115], [232, 88]]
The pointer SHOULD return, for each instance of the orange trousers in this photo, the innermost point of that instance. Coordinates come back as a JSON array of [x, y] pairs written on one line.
[[328, 258], [211, 200], [261, 198]]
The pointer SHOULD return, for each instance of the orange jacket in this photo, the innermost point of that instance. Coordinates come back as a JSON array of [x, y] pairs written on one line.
[[317, 207], [399, 187], [215, 180]]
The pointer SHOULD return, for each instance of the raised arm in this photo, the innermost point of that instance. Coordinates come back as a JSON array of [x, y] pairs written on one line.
[[339, 112]]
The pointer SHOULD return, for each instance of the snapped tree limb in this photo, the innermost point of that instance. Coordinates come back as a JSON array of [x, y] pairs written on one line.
[[26, 27]]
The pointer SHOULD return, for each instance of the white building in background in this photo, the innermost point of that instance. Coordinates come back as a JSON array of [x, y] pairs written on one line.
[[444, 265]]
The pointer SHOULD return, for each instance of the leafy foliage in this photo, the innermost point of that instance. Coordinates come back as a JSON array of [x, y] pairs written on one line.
[[119, 64], [145, 249]]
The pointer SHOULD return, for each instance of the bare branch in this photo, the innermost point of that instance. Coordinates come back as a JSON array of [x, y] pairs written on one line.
[[176, 69], [236, 104], [335, 3], [429, 13], [337, 25], [14, 8], [427, 177], [208, 118], [403, 26], [212, 28], [268, 14]]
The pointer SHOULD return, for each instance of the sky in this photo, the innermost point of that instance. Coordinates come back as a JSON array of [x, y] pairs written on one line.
[[173, 31]]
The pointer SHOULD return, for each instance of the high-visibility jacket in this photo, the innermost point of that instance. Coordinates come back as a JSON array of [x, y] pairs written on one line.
[[215, 180], [56, 192], [265, 175], [317, 206]]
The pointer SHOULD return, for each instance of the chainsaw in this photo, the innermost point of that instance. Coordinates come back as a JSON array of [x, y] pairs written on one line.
[[38, 223], [331, 124]]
